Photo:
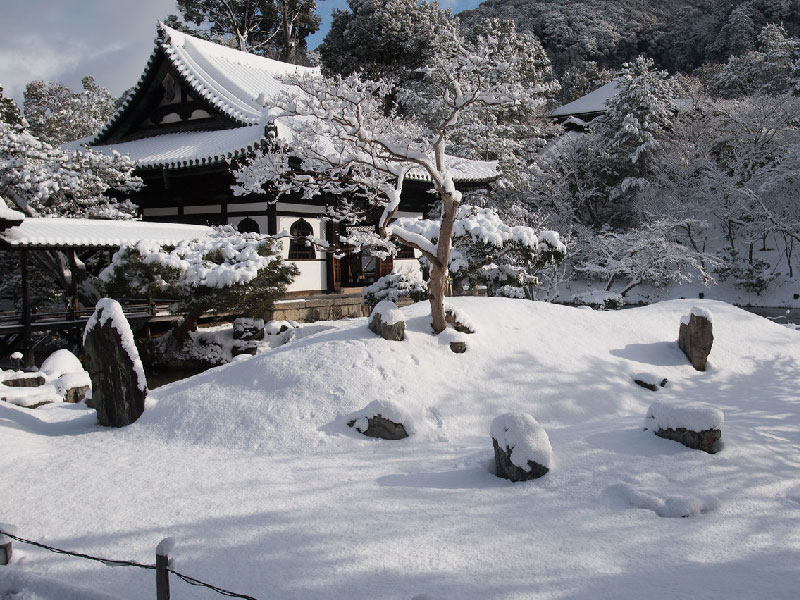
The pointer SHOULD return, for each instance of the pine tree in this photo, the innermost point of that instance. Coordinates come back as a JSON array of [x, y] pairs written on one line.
[[9, 111], [274, 28], [385, 39], [55, 114]]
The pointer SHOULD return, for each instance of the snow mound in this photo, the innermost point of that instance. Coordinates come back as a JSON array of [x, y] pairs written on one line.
[[527, 439], [59, 363], [451, 335], [694, 416], [663, 503], [388, 312]]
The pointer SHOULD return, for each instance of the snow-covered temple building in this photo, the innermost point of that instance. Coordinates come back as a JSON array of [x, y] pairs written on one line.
[[576, 114], [198, 108]]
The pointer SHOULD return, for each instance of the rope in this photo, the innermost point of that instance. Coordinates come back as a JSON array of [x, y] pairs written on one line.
[[129, 563]]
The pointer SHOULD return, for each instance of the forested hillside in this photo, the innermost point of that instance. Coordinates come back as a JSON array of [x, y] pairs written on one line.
[[678, 35]]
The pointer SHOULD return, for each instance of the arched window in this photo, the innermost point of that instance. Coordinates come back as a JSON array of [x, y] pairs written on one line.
[[248, 225], [299, 249]]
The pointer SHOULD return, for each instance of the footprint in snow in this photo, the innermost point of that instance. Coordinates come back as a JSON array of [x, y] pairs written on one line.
[[654, 492]]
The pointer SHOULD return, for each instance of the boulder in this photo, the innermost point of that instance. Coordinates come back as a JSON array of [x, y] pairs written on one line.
[[696, 425], [119, 386], [248, 329], [25, 381], [458, 320], [387, 321], [695, 337], [383, 419], [697, 440], [458, 347], [77, 394], [243, 347], [521, 447], [379, 427]]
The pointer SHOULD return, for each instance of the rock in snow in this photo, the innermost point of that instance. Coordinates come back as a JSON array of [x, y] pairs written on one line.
[[382, 419], [696, 425], [521, 447], [118, 382], [387, 321], [695, 337]]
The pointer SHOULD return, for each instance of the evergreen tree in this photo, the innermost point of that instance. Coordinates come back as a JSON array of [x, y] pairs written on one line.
[[274, 28], [55, 114], [385, 39], [9, 112]]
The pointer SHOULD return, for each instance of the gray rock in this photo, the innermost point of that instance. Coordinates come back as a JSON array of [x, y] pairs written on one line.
[[695, 339], [451, 319], [458, 347], [507, 470], [248, 329], [76, 394], [395, 332], [242, 347], [34, 381], [381, 427], [115, 384], [697, 440]]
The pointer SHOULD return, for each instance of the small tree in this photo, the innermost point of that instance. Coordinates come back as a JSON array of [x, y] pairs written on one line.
[[348, 145], [226, 271]]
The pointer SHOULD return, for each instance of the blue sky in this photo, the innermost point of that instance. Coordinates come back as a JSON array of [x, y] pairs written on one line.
[[63, 40]]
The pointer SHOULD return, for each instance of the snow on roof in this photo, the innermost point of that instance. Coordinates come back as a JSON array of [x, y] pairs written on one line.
[[188, 148], [463, 171], [7, 214], [236, 83], [96, 233], [592, 102]]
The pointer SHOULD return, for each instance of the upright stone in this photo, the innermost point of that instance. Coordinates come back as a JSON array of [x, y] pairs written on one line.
[[387, 321], [695, 337], [119, 386]]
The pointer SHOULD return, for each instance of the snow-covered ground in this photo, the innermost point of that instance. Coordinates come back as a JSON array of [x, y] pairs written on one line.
[[252, 468]]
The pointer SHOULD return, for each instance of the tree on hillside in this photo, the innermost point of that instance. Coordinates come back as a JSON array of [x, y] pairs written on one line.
[[772, 69], [345, 143], [274, 28], [9, 111], [55, 114], [385, 39], [228, 271]]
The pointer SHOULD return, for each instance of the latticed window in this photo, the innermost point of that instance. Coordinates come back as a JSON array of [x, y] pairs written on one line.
[[299, 248]]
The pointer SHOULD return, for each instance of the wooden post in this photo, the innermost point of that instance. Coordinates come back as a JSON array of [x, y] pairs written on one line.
[[27, 332], [6, 551], [162, 563]]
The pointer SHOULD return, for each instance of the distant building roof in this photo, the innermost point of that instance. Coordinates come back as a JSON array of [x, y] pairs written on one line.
[[593, 102], [85, 233]]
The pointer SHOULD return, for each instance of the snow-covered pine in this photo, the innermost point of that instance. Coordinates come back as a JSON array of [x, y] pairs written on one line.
[[227, 270], [43, 180]]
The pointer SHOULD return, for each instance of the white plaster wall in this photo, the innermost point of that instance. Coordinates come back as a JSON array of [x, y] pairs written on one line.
[[263, 222], [407, 266], [313, 276]]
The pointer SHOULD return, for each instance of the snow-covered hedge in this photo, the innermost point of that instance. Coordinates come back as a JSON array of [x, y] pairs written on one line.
[[393, 287]]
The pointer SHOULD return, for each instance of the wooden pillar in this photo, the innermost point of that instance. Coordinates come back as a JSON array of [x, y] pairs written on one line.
[[272, 219], [73, 334], [27, 332]]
